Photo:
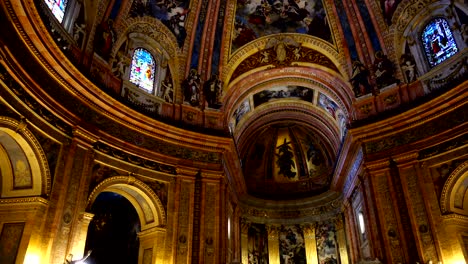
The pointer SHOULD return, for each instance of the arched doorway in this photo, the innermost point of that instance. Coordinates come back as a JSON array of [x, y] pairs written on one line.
[[142, 212], [113, 233]]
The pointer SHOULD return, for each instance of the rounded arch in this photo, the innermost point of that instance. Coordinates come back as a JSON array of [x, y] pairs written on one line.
[[23, 163], [454, 198], [147, 204], [313, 78]]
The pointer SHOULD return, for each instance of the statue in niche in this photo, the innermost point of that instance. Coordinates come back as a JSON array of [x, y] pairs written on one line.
[[384, 70], [104, 38], [192, 88], [79, 33], [408, 66], [167, 91], [213, 91], [359, 79], [285, 160], [120, 65]]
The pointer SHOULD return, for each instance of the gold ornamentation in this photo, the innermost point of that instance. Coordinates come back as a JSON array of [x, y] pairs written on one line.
[[366, 109]]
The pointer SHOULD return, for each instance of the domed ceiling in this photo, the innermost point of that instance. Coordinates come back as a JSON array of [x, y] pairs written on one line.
[[288, 139], [286, 161]]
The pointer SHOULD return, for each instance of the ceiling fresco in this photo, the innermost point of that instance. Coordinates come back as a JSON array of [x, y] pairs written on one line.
[[286, 161], [258, 18], [171, 13]]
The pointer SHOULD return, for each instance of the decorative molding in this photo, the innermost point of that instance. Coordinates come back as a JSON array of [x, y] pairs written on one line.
[[134, 159], [437, 125]]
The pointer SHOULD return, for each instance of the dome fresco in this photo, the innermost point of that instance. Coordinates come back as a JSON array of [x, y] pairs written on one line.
[[286, 161]]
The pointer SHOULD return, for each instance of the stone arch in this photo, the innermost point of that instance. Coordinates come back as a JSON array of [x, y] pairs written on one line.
[[23, 163], [147, 204], [454, 198]]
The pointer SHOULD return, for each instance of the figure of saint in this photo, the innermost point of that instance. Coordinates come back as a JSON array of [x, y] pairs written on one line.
[[104, 38], [359, 79], [192, 88], [168, 91], [212, 90], [285, 160], [409, 67], [384, 71]]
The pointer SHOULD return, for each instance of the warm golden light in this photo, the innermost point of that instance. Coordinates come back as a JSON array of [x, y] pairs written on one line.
[[32, 258], [458, 259]]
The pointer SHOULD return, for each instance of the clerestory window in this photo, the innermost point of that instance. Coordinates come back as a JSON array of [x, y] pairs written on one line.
[[438, 41], [142, 71]]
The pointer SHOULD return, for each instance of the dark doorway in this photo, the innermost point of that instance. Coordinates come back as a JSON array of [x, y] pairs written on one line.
[[112, 235]]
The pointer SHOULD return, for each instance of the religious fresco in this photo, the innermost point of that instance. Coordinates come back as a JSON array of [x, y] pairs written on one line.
[[283, 92], [292, 245], [285, 159], [286, 163], [10, 239], [243, 109], [388, 8], [327, 249], [257, 244], [171, 13], [19, 162], [258, 18], [328, 105]]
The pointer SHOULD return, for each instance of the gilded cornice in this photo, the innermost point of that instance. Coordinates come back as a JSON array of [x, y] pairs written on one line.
[[134, 159], [324, 206], [26, 201], [414, 133], [456, 219], [444, 147], [440, 115]]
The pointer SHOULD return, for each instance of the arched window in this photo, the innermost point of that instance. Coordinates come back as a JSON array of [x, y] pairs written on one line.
[[362, 226], [57, 7], [438, 41], [142, 70]]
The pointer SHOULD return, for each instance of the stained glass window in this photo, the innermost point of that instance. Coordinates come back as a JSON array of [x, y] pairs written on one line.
[[438, 41], [57, 7], [142, 70]]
